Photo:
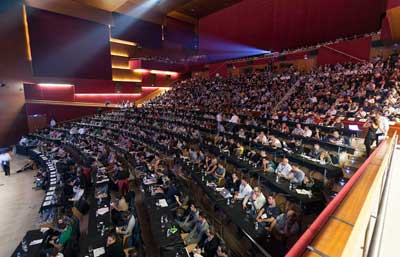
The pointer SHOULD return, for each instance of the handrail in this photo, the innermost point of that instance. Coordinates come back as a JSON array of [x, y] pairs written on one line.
[[316, 226], [376, 238], [357, 244]]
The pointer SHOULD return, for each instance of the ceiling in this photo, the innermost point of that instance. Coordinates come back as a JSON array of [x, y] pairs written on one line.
[[192, 9]]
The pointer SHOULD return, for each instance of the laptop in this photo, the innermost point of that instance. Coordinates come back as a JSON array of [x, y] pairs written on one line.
[[225, 193]]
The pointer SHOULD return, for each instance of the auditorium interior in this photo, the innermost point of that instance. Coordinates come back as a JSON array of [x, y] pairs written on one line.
[[199, 128]]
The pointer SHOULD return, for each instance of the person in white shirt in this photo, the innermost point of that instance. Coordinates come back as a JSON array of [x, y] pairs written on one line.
[[5, 160], [53, 123], [307, 132], [81, 131], [261, 138], [244, 190], [129, 229], [257, 198], [274, 142], [219, 117], [284, 168], [383, 129], [234, 119]]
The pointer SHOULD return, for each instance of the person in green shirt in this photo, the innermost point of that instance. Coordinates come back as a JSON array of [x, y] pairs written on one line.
[[64, 237]]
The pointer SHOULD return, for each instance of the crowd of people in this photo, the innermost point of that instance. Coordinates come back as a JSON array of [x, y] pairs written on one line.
[[350, 90]]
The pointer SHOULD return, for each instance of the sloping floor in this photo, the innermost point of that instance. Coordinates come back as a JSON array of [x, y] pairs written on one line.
[[19, 205]]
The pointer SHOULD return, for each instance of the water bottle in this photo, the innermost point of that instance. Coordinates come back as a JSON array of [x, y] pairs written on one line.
[[256, 225], [277, 178], [290, 186], [202, 178], [228, 202]]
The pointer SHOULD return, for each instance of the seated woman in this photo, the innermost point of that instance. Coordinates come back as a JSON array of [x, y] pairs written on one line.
[[212, 167], [268, 165], [219, 173]]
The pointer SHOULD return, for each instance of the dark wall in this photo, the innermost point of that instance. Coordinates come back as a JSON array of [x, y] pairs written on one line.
[[146, 34], [180, 32], [64, 46], [282, 24], [14, 69]]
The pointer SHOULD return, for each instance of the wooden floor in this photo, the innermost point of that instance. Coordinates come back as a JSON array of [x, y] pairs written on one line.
[[19, 205], [332, 239]]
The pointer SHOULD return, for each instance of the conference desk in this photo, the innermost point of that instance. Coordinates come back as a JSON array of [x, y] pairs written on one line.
[[232, 214], [161, 221], [328, 170], [34, 237]]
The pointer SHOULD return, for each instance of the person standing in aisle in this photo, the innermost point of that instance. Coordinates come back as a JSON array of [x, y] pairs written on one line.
[[5, 159]]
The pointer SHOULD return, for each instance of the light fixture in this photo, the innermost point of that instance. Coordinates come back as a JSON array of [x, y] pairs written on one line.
[[54, 85], [172, 73], [123, 42], [116, 79], [119, 54], [120, 67], [163, 88], [141, 70], [108, 94]]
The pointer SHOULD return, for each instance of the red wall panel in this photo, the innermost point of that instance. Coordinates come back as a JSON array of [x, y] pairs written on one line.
[[282, 24], [359, 48]]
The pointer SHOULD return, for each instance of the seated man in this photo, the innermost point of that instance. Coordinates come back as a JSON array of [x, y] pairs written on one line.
[[284, 168], [296, 175], [190, 219], [208, 247], [274, 142], [233, 183], [285, 225], [315, 152], [64, 237], [261, 138], [336, 138], [268, 213], [114, 248], [256, 200], [244, 190], [298, 130], [191, 239], [131, 221]]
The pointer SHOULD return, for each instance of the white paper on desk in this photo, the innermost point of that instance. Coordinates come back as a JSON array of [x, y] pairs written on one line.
[[48, 198], [102, 211], [264, 216], [302, 191], [52, 188], [98, 251], [36, 242], [162, 203], [50, 193], [44, 229], [46, 203]]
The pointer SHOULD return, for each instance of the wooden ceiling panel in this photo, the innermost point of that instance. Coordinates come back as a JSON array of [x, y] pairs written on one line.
[[107, 5], [202, 8]]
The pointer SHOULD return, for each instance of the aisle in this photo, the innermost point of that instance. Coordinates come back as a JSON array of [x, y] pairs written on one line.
[[19, 205]]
